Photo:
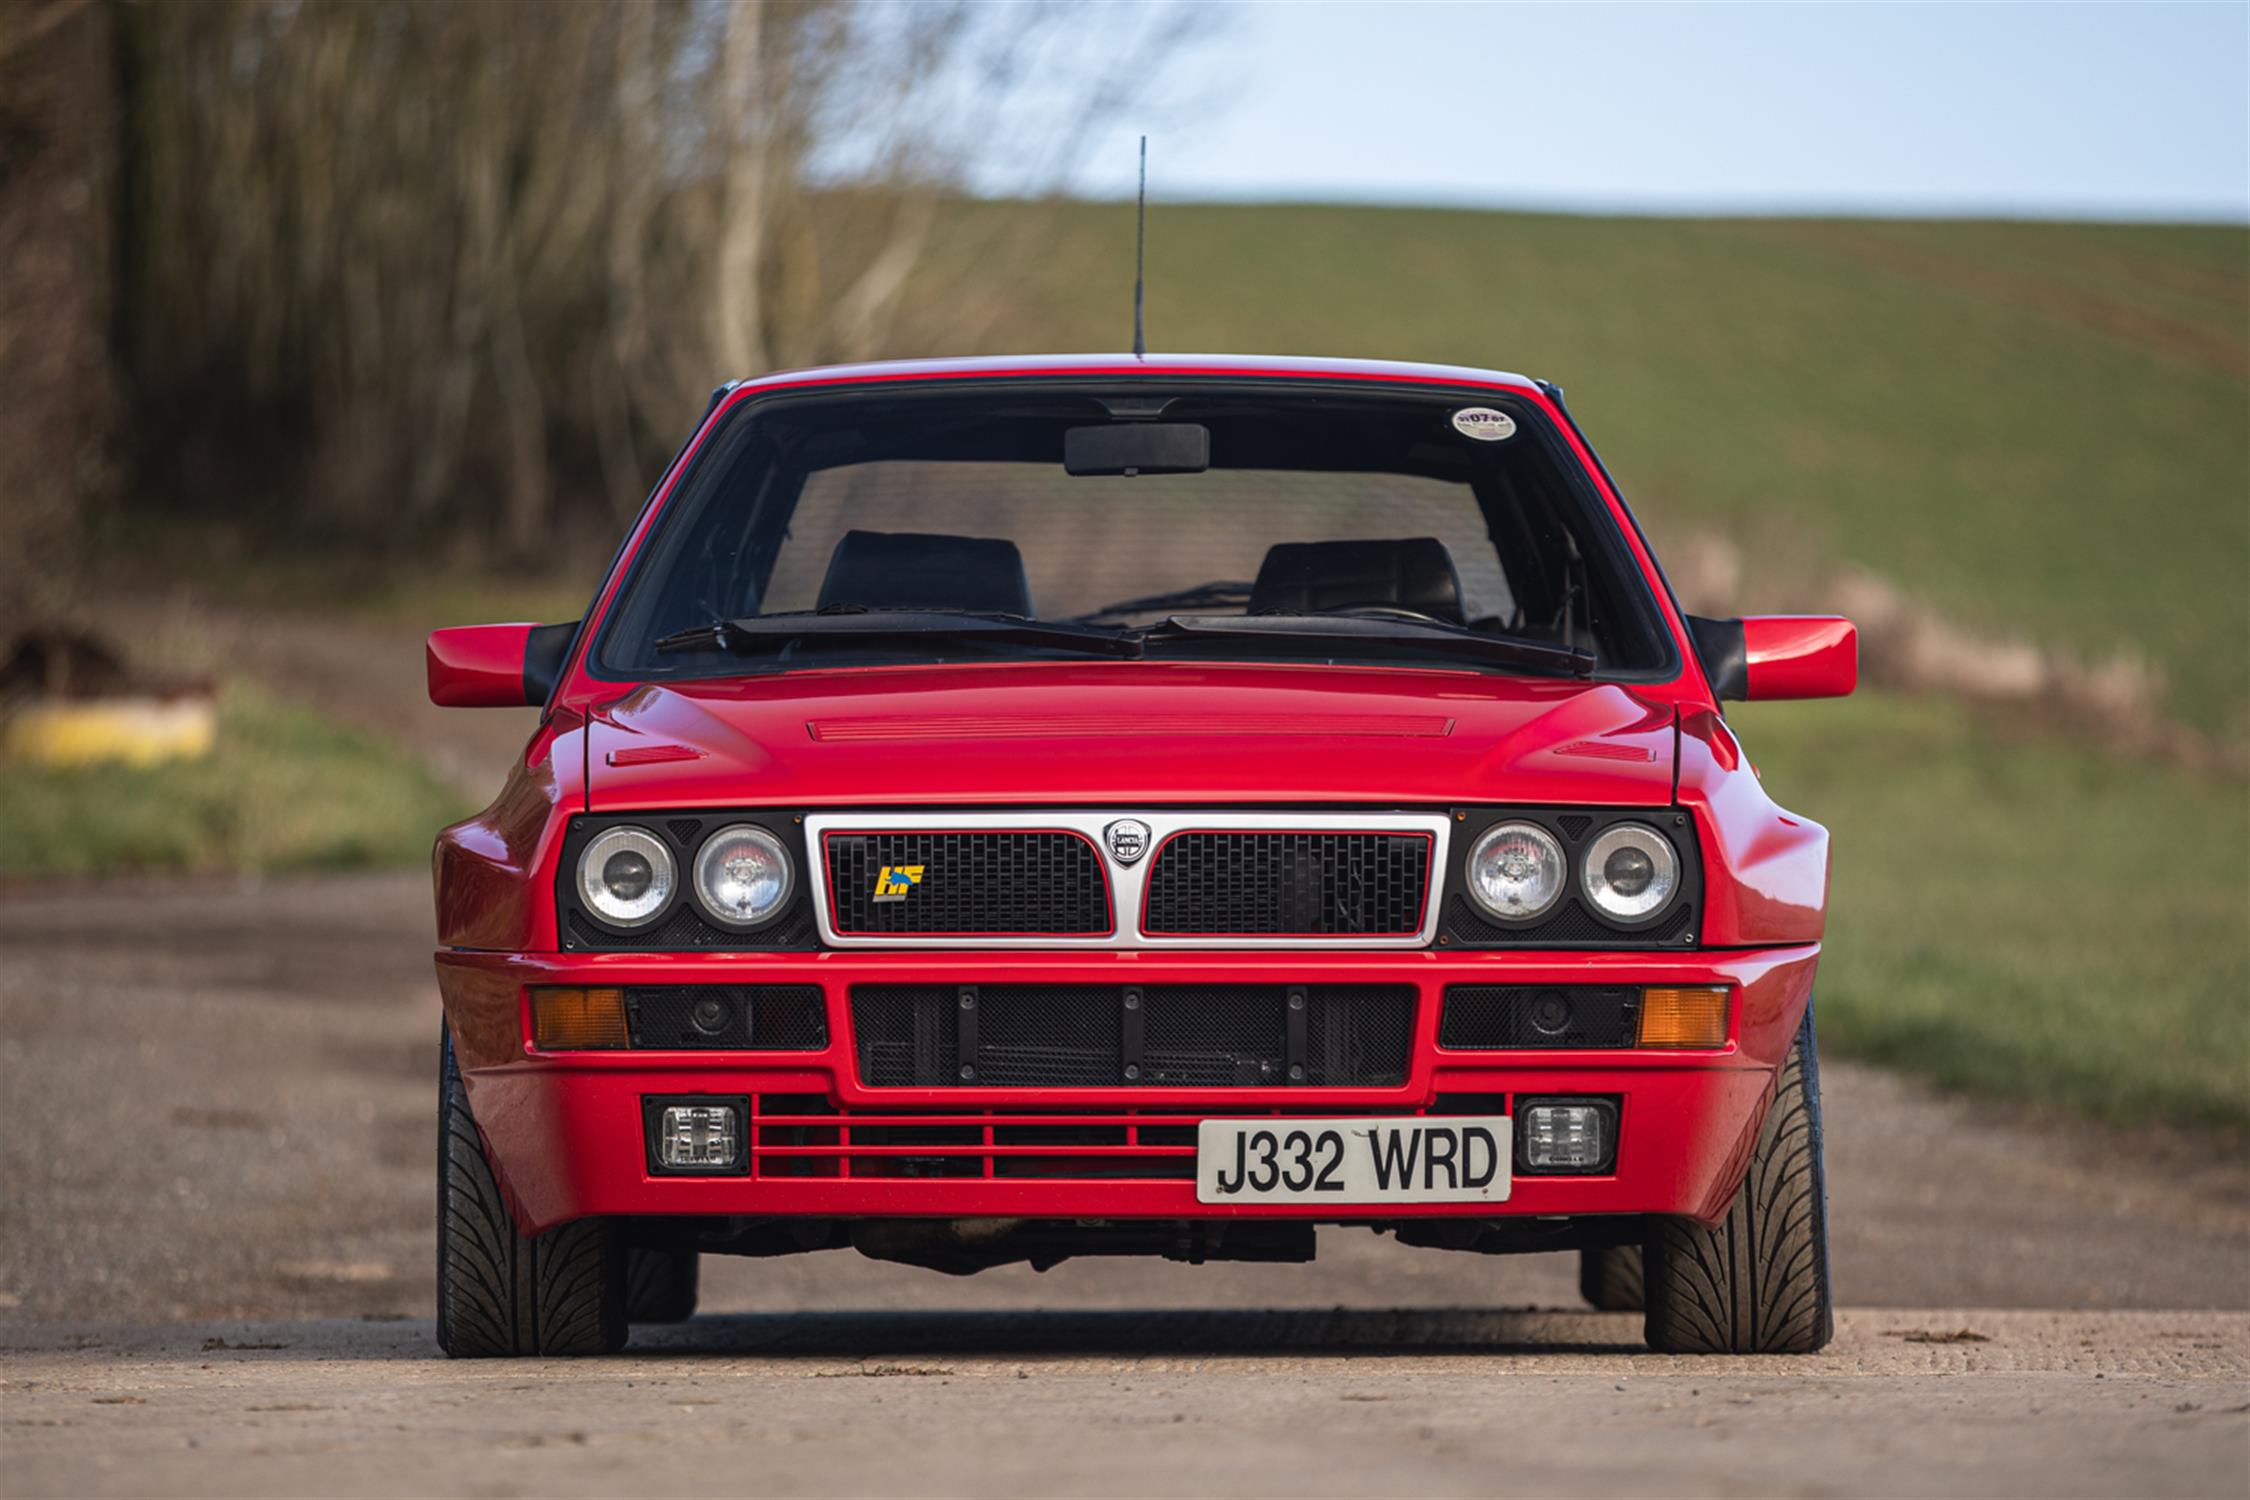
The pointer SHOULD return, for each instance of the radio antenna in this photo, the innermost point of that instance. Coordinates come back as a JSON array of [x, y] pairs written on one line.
[[1140, 254]]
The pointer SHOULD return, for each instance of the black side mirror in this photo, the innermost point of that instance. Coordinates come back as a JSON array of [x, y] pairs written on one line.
[[543, 656], [1719, 646]]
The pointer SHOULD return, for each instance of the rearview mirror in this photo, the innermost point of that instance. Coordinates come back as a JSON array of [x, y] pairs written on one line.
[[496, 666], [1137, 448], [1768, 657]]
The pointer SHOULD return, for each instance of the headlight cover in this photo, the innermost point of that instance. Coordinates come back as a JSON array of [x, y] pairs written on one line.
[[1631, 872], [1517, 871], [743, 876], [626, 877]]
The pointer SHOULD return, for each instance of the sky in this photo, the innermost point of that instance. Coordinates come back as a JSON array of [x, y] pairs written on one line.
[[2039, 111]]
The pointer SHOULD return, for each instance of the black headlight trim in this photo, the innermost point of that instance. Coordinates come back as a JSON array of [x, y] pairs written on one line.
[[685, 927], [1573, 921]]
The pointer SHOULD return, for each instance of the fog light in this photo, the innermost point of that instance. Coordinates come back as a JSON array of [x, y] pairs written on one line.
[[1577, 1136], [699, 1137]]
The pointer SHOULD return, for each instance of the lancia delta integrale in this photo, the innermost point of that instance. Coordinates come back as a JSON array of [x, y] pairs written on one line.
[[999, 811]]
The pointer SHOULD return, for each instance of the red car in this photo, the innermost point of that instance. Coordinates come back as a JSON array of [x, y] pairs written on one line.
[[1002, 810]]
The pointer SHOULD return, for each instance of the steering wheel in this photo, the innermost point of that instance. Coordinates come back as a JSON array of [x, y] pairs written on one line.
[[1383, 609]]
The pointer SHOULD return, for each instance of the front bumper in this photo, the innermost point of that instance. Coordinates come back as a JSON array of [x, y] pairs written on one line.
[[566, 1137]]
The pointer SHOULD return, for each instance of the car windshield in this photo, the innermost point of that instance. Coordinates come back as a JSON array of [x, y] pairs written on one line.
[[1236, 523]]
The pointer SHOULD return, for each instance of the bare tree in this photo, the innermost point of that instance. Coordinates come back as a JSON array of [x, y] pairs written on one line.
[[458, 263], [56, 157]]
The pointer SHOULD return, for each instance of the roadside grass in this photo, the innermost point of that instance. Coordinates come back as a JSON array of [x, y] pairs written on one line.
[[2041, 429], [285, 789], [2022, 918]]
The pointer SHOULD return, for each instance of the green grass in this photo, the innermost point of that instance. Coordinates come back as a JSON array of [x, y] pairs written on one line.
[[285, 789], [2038, 428], [2041, 429], [2023, 918]]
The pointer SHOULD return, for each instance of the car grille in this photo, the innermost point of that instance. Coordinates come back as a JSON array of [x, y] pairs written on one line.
[[1289, 884], [1133, 1036], [805, 1135], [992, 883]]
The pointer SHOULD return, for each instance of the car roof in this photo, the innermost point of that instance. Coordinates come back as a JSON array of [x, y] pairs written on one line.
[[1266, 366]]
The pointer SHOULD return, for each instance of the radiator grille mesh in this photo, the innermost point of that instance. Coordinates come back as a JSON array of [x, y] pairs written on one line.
[[1060, 1036], [1280, 884]]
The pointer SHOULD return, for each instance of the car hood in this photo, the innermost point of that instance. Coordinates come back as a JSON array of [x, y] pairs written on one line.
[[1146, 733]]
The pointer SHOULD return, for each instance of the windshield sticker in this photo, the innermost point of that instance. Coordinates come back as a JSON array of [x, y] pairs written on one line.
[[1484, 424]]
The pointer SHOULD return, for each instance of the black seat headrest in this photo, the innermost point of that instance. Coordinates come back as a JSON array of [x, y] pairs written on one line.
[[913, 570], [1413, 573]]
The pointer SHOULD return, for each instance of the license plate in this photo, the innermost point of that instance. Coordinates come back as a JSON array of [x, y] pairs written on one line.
[[1419, 1159]]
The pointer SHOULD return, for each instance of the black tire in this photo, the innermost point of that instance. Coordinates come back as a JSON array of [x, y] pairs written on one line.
[[1758, 1282], [500, 1293], [660, 1286], [1610, 1278]]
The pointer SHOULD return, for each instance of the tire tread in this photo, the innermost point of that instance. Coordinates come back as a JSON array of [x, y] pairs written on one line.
[[501, 1293], [1610, 1278], [1758, 1281], [661, 1285]]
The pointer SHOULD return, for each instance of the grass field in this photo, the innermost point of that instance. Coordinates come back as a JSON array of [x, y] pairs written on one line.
[[2037, 428], [2021, 917], [285, 790]]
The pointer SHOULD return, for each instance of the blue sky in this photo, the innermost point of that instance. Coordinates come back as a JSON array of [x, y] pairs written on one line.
[[2093, 111]]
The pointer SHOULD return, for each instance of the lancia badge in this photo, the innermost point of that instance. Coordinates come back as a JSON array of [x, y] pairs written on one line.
[[1127, 839]]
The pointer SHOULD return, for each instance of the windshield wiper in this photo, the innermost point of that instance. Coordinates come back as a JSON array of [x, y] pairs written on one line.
[[756, 633], [1362, 630], [1224, 591]]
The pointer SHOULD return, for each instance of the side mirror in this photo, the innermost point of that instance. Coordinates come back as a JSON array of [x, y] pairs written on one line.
[[1764, 657], [497, 666]]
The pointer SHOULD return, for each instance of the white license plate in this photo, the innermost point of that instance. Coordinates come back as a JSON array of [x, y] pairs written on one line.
[[1418, 1159]]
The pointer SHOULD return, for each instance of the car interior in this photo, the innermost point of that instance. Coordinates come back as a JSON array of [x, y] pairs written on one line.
[[920, 570], [1287, 515]]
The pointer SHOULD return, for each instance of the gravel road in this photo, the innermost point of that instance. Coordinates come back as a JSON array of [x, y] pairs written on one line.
[[216, 1136]]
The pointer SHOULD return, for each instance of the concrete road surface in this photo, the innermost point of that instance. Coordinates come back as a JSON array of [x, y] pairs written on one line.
[[216, 1136], [1100, 1403]]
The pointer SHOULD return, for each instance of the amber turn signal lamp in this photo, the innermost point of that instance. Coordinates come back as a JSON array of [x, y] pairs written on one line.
[[1684, 1018], [574, 1020]]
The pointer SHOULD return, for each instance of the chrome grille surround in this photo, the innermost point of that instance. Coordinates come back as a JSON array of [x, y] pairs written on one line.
[[1128, 883]]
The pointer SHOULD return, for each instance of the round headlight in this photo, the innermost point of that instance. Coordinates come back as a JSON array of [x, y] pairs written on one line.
[[626, 877], [1631, 872], [1516, 871], [742, 876]]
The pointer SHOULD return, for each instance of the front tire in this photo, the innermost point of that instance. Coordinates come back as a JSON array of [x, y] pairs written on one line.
[[500, 1293], [1757, 1282]]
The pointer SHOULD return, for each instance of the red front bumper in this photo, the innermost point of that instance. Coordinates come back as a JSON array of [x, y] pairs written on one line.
[[566, 1136]]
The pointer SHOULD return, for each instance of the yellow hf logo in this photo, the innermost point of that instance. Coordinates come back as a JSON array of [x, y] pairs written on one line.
[[896, 880]]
